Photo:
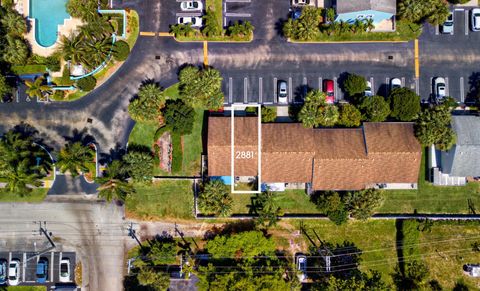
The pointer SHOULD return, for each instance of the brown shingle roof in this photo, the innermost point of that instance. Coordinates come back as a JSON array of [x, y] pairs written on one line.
[[390, 137], [332, 159], [219, 146]]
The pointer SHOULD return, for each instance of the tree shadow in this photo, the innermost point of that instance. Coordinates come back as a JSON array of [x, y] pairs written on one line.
[[383, 90], [115, 153], [474, 88], [81, 136], [300, 93], [399, 245], [230, 228], [279, 26]]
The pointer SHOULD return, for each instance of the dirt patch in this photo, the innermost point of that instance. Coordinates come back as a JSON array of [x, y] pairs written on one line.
[[164, 146]]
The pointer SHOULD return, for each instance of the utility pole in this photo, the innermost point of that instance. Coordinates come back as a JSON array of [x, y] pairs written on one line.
[[132, 234], [43, 230]]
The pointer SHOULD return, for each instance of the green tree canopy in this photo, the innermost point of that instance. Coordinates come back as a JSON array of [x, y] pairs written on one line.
[[201, 88], [350, 116], [357, 282], [179, 116], [269, 114], [315, 111], [16, 51], [147, 106], [405, 104], [74, 157], [374, 108], [241, 246], [14, 23], [113, 183], [155, 280], [4, 87], [139, 165], [433, 127], [433, 11], [354, 84], [267, 208], [162, 252], [412, 277], [84, 9], [215, 199], [362, 204], [332, 205], [306, 27]]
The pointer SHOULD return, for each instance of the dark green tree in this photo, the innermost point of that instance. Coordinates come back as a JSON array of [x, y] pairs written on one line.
[[153, 279], [268, 209], [350, 116], [147, 106], [87, 84], [269, 114], [74, 158], [215, 199], [16, 51], [405, 104], [374, 108], [242, 246], [14, 23], [332, 205], [121, 50], [211, 26], [4, 86], [179, 116], [201, 88], [162, 251], [139, 165], [354, 85], [113, 183], [413, 277], [433, 127], [362, 204]]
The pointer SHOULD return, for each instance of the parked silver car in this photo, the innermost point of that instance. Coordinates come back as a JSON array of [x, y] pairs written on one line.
[[282, 92], [475, 19], [447, 26], [14, 272], [194, 21], [191, 6], [439, 87]]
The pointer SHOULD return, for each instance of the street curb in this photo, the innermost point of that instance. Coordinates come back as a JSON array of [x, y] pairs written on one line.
[[218, 41], [348, 41]]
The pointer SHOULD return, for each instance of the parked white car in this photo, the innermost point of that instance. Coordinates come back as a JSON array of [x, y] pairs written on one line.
[[475, 19], [395, 83], [191, 6], [193, 20], [282, 92], [368, 89], [447, 26], [64, 271], [14, 272], [439, 87]]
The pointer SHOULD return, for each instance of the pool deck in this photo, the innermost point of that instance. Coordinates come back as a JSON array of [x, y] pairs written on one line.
[[68, 27]]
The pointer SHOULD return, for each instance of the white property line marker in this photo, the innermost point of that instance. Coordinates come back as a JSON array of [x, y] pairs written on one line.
[[259, 148]]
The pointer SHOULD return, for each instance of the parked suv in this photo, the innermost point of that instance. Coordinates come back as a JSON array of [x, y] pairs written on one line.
[[282, 92], [14, 272], [447, 26], [439, 88]]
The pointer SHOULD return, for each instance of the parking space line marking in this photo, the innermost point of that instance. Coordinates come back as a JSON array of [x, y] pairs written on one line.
[[260, 89], [238, 15], [230, 89], [275, 90], [305, 81], [196, 14], [24, 265], [431, 85], [205, 53], [466, 22], [51, 266], [245, 88], [290, 97], [417, 62], [447, 88], [462, 90], [437, 29], [320, 85], [148, 33], [335, 90], [403, 81], [373, 86], [238, 1], [387, 87], [417, 87], [16, 93]]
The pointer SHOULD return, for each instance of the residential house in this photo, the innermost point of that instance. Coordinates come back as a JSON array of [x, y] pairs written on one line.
[[462, 161], [381, 11], [382, 155]]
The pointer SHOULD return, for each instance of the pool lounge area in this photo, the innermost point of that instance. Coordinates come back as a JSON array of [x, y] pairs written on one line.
[[48, 20]]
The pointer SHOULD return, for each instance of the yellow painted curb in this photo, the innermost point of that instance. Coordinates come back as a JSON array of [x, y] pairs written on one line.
[[165, 34], [218, 41], [205, 53], [417, 61], [148, 33]]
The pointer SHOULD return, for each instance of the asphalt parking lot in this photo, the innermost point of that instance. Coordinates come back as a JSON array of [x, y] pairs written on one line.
[[237, 10], [262, 89], [460, 82], [28, 266]]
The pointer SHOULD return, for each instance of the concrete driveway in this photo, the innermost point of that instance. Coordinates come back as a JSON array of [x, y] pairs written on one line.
[[96, 232]]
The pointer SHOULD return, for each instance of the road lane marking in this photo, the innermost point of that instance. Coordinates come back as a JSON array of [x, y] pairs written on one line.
[[462, 90], [466, 22], [245, 88], [260, 89], [417, 62], [230, 90], [148, 33], [205, 53], [290, 89], [275, 90]]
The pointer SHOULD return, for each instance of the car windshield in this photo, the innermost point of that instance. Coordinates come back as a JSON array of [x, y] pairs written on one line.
[[477, 15], [12, 278], [195, 4], [441, 86], [194, 20], [64, 269]]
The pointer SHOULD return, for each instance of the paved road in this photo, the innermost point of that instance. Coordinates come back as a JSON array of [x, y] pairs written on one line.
[[96, 232]]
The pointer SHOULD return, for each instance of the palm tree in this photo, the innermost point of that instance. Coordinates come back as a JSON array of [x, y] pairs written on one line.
[[215, 198], [20, 178], [97, 52], [71, 48], [74, 157], [113, 185], [14, 23], [37, 88], [16, 51], [369, 24]]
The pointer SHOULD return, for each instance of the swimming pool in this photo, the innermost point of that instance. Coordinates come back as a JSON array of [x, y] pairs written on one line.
[[48, 15]]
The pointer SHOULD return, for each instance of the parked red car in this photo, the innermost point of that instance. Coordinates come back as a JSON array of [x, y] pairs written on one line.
[[328, 88]]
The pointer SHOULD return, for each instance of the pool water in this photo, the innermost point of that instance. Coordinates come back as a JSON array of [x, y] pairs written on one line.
[[48, 15]]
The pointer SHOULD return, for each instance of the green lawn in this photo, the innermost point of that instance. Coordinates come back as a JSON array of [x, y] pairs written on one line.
[[404, 32], [29, 69], [216, 5], [142, 134], [37, 195], [172, 92], [166, 199], [132, 28], [431, 199], [291, 202]]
